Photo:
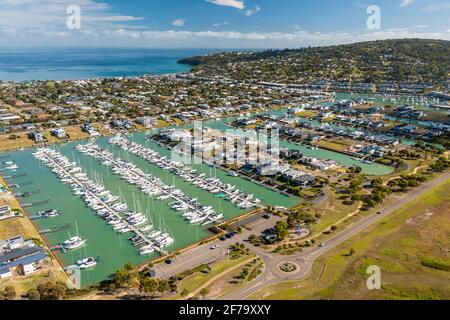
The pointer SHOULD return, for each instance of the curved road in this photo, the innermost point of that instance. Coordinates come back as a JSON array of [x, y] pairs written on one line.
[[305, 260]]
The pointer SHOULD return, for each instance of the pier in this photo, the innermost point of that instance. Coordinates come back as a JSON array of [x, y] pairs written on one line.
[[65, 171], [187, 174], [148, 180]]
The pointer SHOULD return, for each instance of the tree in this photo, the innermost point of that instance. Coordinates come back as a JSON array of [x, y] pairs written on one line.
[[9, 293], [33, 294], [184, 293], [163, 286], [281, 230], [204, 292], [124, 277], [334, 228], [52, 291], [149, 286]]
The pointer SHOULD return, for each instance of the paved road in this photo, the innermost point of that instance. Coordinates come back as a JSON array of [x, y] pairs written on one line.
[[203, 254], [305, 260]]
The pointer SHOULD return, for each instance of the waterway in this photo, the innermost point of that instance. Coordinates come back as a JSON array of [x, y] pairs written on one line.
[[113, 249]]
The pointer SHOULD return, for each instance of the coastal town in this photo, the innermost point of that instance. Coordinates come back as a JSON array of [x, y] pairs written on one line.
[[94, 204]]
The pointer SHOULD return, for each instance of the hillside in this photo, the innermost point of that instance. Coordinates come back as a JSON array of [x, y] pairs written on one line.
[[408, 60]]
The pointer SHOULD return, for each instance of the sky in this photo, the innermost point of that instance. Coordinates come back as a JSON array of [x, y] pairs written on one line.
[[217, 23]]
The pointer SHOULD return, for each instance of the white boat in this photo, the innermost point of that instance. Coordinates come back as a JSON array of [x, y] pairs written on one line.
[[87, 263], [74, 243]]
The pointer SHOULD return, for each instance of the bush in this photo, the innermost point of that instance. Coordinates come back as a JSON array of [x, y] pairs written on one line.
[[435, 264]]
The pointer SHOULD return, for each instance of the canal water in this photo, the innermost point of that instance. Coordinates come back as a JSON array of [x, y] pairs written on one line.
[[113, 249]]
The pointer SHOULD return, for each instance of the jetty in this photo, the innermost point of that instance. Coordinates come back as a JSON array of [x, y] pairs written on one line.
[[69, 173]]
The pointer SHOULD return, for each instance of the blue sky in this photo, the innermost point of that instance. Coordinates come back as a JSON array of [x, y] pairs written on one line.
[[217, 23]]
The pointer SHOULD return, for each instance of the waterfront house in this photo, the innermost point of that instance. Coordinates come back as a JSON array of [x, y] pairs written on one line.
[[59, 133], [14, 243], [272, 169], [21, 261], [5, 212], [36, 136], [146, 121]]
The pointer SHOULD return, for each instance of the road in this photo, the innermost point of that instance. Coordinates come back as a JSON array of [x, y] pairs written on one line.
[[203, 254], [305, 260]]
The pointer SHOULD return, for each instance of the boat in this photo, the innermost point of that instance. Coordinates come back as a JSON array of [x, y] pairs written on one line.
[[49, 213], [73, 243], [87, 263]]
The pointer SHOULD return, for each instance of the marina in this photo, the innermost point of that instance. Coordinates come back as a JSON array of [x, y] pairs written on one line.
[[104, 203], [102, 240], [194, 212], [210, 186], [215, 186]]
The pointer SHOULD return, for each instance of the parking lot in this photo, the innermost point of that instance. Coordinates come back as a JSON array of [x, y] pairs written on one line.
[[205, 254]]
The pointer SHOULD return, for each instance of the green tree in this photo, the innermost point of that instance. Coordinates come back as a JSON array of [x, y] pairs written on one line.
[[281, 230], [149, 286], [33, 294], [204, 292]]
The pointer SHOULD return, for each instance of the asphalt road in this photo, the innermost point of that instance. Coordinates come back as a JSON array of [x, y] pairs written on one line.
[[272, 275], [203, 254]]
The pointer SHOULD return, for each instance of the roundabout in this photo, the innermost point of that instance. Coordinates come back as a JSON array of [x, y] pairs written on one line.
[[288, 267]]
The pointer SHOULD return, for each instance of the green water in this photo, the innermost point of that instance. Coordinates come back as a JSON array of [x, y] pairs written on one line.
[[114, 249]]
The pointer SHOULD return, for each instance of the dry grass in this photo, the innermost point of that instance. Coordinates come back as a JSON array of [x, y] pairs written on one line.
[[397, 247]]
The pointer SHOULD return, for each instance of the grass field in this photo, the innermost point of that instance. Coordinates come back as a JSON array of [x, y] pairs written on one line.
[[411, 247], [232, 281], [21, 141], [338, 145], [191, 283], [307, 114], [23, 284]]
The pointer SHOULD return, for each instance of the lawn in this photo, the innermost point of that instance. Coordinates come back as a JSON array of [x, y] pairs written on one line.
[[22, 141], [338, 145], [17, 226], [233, 280], [331, 212], [410, 247], [191, 283], [307, 114], [23, 284]]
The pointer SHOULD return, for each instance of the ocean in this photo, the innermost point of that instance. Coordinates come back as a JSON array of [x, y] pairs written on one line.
[[83, 63]]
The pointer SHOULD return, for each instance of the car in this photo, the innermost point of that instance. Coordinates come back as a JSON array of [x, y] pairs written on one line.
[[168, 261], [223, 238], [266, 216], [322, 245], [216, 246], [379, 212]]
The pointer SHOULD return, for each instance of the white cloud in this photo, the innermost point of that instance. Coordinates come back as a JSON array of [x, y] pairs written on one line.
[[49, 16], [229, 3], [179, 23], [223, 39], [253, 11], [220, 24], [434, 7], [406, 3]]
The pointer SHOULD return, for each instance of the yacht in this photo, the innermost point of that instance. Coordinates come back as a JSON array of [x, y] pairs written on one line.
[[87, 263], [49, 214], [74, 243]]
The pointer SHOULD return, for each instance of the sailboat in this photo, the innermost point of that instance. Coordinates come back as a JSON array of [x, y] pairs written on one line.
[[74, 243]]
